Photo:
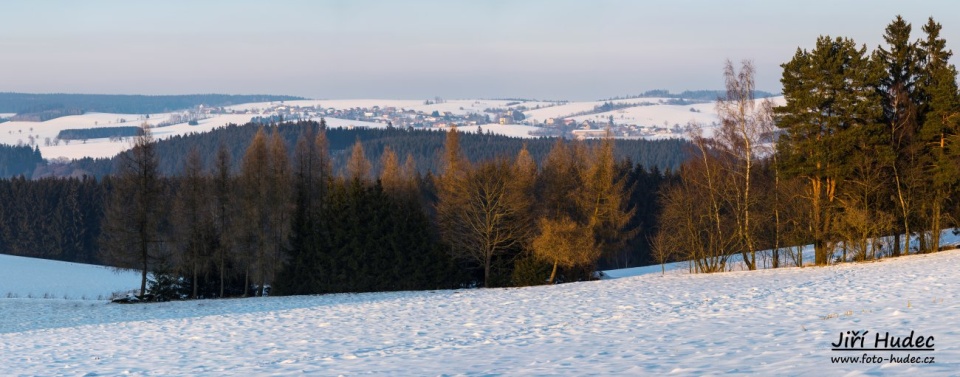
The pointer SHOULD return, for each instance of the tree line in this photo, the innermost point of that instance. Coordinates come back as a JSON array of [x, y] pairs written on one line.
[[300, 225], [61, 218], [865, 145], [424, 145], [19, 160]]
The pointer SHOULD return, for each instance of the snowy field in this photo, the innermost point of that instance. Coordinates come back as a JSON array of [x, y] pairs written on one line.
[[22, 277], [647, 112], [769, 322]]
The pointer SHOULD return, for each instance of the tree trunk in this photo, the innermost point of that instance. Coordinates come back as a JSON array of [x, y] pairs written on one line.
[[246, 283], [143, 279], [486, 272], [553, 274], [896, 244], [195, 268], [935, 225], [222, 263]]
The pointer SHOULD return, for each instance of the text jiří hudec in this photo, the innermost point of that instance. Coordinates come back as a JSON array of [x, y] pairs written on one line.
[[856, 340]]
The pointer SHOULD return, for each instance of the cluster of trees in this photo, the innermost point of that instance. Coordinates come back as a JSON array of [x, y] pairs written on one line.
[[301, 225], [695, 95], [19, 160], [35, 212], [98, 133], [294, 226], [565, 215], [52, 218], [45, 113], [868, 146]]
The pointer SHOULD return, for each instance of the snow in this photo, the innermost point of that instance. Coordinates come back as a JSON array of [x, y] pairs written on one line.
[[22, 277], [336, 104], [453, 106], [949, 238], [570, 108], [647, 112], [513, 130], [13, 133], [768, 322], [656, 115]]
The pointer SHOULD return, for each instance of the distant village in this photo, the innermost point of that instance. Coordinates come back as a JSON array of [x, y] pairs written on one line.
[[485, 121]]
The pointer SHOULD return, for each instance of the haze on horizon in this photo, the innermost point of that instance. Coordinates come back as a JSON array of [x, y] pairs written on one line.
[[577, 50]]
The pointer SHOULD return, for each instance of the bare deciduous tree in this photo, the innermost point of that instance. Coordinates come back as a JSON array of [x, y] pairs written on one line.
[[132, 236], [744, 124]]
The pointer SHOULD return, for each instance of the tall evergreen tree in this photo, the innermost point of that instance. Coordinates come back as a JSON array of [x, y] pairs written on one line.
[[939, 135], [828, 91], [898, 87]]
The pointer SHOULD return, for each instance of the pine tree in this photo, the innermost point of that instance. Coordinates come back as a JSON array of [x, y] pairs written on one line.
[[940, 129], [828, 92], [901, 111]]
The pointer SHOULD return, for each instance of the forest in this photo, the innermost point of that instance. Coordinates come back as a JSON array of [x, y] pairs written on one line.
[[229, 226], [19, 160], [424, 145], [98, 133]]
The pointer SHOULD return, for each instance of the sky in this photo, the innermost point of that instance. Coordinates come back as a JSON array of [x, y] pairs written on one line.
[[414, 49]]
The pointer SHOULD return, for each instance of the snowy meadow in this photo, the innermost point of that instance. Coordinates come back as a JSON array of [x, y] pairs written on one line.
[[768, 322]]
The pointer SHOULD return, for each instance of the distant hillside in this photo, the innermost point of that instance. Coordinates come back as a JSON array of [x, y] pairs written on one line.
[[39, 107], [693, 95], [423, 145]]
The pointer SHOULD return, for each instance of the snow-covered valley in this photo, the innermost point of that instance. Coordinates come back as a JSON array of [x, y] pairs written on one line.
[[768, 322], [639, 113]]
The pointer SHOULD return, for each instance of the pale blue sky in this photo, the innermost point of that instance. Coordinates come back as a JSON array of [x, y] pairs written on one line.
[[419, 49]]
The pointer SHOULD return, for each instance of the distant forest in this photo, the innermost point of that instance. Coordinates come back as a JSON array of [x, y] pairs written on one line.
[[96, 133], [18, 160], [423, 145], [39, 107]]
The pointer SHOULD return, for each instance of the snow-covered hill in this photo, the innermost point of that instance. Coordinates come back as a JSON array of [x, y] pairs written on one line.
[[769, 322], [22, 277], [640, 112]]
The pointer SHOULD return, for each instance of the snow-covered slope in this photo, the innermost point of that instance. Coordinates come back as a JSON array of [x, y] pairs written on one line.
[[770, 322], [22, 277], [644, 112]]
